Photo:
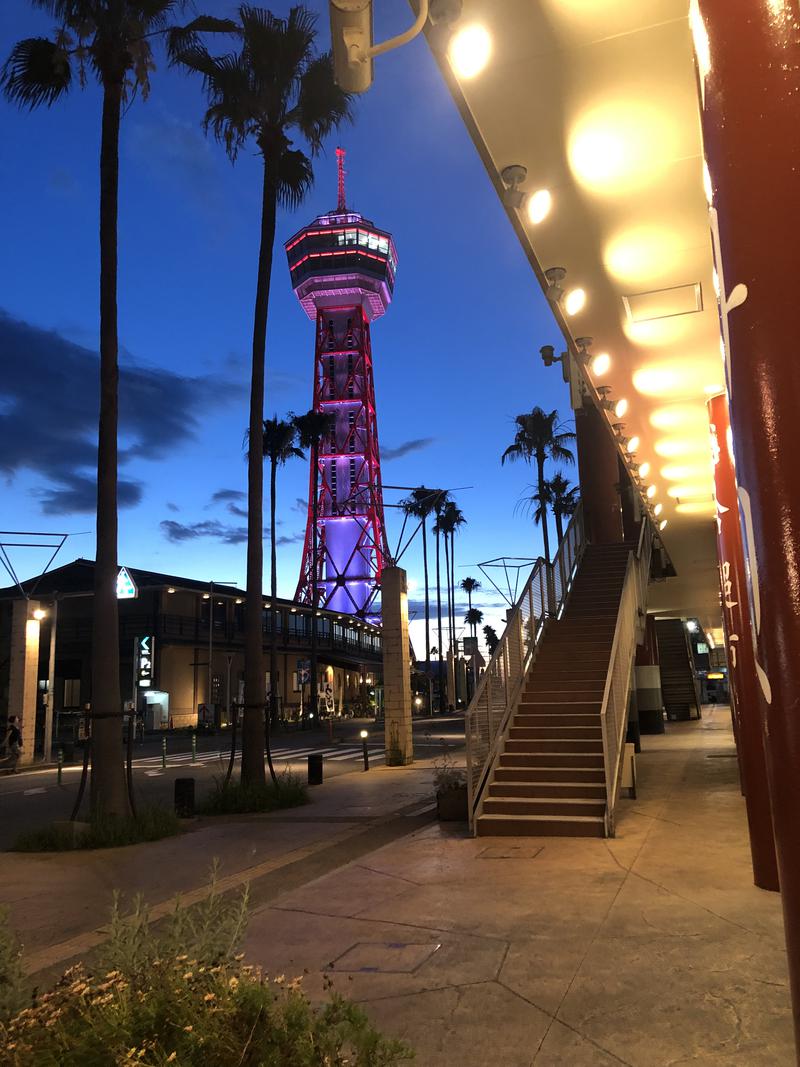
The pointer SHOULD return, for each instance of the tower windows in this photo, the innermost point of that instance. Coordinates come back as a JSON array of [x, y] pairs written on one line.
[[350, 386], [331, 379], [352, 473], [351, 437], [331, 336], [333, 481]]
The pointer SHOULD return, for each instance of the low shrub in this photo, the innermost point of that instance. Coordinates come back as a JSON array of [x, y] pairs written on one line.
[[238, 799], [186, 997], [106, 831]]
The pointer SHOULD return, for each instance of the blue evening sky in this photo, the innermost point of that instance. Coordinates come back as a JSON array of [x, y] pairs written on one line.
[[456, 357]]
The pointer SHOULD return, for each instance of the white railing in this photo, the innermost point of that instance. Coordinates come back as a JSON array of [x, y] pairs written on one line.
[[500, 687], [627, 634]]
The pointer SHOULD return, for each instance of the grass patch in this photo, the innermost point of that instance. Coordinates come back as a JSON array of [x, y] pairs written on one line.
[[107, 831], [237, 799]]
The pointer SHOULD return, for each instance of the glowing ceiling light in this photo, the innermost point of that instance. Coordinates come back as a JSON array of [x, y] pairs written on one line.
[[644, 469], [633, 444], [620, 145], [601, 364], [642, 253], [663, 523], [620, 407], [539, 206], [574, 301], [651, 492], [678, 472], [656, 332], [676, 378], [470, 50], [693, 491], [658, 509], [697, 507], [677, 416], [672, 447]]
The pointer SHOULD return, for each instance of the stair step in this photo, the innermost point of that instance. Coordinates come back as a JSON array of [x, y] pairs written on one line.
[[589, 760], [563, 746], [547, 789], [531, 705], [543, 806], [540, 826], [522, 732], [556, 719], [537, 775]]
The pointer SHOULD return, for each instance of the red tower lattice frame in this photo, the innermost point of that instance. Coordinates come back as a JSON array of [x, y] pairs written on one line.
[[351, 536]]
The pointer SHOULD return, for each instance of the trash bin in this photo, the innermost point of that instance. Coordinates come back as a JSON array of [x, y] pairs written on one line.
[[315, 768], [184, 798]]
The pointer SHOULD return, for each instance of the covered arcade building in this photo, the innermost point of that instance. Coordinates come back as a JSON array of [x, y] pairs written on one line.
[[195, 670]]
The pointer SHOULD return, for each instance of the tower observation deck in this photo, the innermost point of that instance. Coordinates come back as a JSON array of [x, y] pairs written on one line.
[[343, 269]]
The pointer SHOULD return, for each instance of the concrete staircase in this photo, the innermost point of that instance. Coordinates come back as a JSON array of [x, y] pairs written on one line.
[[549, 779]]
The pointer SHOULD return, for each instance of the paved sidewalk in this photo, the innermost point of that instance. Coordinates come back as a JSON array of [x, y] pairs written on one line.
[[650, 949]]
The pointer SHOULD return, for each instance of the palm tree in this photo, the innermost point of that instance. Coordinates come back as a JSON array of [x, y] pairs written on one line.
[[492, 640], [419, 506], [279, 439], [111, 38], [539, 437], [455, 519], [269, 91], [440, 501], [470, 586], [311, 428], [563, 500], [473, 618]]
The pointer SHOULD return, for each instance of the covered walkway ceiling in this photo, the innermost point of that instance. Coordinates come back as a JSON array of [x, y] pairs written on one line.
[[597, 99]]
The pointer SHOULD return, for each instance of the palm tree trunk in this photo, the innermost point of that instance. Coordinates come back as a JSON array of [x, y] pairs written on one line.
[[559, 524], [453, 581], [449, 598], [273, 615], [427, 610], [253, 724], [442, 684], [108, 792], [541, 480], [314, 548]]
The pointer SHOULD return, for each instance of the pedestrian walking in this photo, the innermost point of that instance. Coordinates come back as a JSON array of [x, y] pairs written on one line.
[[13, 743]]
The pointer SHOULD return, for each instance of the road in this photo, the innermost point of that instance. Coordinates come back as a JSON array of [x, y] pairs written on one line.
[[32, 797]]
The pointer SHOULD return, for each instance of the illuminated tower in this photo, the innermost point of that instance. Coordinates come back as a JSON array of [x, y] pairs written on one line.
[[343, 271]]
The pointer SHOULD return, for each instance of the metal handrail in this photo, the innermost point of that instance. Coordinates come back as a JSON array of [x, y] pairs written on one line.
[[500, 687], [614, 709]]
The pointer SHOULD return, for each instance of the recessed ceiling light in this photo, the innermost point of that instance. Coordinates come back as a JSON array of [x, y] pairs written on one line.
[[575, 301], [470, 50], [539, 206]]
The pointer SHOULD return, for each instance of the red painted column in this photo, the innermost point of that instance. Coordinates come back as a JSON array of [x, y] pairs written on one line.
[[746, 698], [598, 471], [749, 64]]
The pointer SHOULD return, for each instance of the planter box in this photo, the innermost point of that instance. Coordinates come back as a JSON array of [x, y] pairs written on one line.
[[451, 805]]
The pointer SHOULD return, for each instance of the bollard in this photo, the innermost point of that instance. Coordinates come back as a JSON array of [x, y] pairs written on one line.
[[184, 798], [315, 768], [163, 753], [364, 736], [194, 748], [60, 763]]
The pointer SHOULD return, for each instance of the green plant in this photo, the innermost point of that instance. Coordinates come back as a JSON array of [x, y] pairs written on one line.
[[237, 798], [184, 996], [446, 775], [13, 991], [104, 831]]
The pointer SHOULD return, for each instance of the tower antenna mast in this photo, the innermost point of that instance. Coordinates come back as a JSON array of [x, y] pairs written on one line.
[[341, 204]]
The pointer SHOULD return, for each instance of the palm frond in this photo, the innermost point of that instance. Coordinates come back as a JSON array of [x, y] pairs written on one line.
[[294, 178], [37, 72], [186, 40], [321, 105]]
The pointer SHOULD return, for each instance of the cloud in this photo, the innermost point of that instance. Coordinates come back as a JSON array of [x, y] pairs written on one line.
[[222, 495], [172, 507], [301, 505], [414, 445], [177, 152], [236, 509], [178, 532], [48, 415], [290, 539]]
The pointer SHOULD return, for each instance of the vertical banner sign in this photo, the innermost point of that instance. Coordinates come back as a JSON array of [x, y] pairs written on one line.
[[144, 661], [745, 691]]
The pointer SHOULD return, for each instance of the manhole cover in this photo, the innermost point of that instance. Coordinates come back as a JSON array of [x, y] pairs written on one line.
[[510, 852], [385, 957]]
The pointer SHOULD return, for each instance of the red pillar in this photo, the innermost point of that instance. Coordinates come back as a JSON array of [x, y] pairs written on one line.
[[746, 697], [598, 471], [749, 61]]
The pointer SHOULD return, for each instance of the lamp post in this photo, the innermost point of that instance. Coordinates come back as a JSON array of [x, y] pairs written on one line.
[[211, 637], [364, 735]]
